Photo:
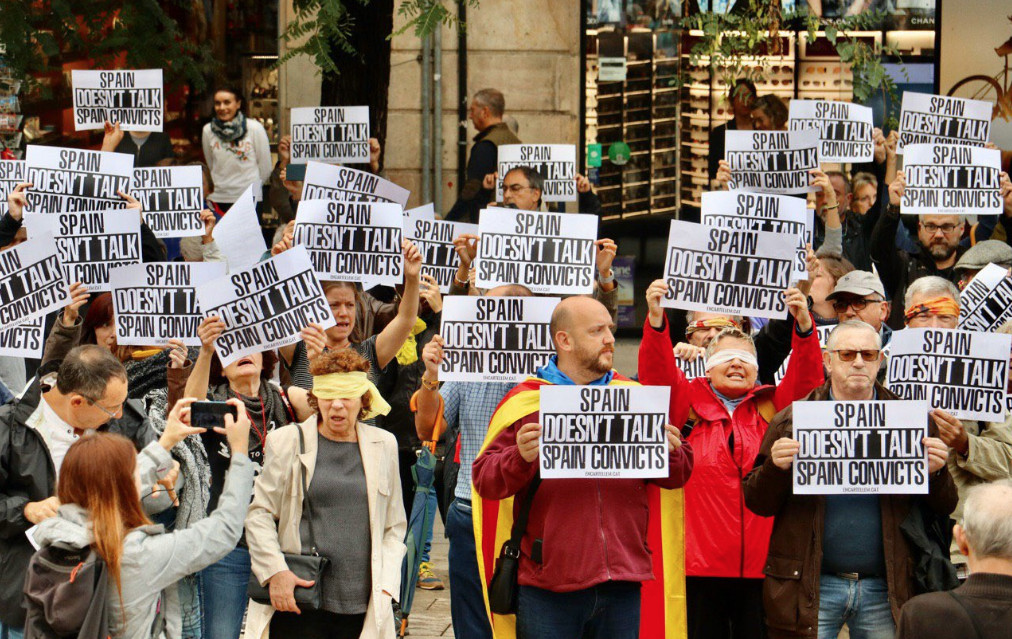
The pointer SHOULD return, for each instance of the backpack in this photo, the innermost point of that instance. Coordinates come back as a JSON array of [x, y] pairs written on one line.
[[66, 594]]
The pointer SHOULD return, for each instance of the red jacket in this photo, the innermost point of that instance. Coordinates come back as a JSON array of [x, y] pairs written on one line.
[[591, 530], [722, 537]]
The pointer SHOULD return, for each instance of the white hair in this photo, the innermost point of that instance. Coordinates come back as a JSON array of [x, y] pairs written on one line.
[[852, 325], [932, 285], [732, 332], [987, 519]]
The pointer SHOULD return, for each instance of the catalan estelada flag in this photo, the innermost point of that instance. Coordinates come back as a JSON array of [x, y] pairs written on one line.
[[662, 609]]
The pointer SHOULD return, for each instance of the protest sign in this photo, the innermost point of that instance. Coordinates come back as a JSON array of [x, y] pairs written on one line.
[[495, 339], [603, 432], [423, 212], [822, 332], [986, 302], [434, 238], [12, 173], [72, 180], [692, 370], [31, 281], [133, 98], [327, 182], [330, 134], [861, 447], [90, 244], [728, 271], [939, 119], [266, 305], [845, 129], [763, 212], [556, 163], [962, 372], [23, 340], [950, 179], [172, 198], [546, 252], [352, 241], [775, 162], [157, 301], [238, 234]]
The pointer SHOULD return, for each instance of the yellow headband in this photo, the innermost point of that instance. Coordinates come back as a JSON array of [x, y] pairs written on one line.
[[347, 386]]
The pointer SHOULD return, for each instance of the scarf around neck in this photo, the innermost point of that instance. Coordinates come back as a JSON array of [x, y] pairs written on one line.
[[231, 131], [550, 373]]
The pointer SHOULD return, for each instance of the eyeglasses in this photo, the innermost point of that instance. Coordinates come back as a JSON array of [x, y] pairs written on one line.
[[857, 303], [110, 413], [514, 188], [944, 228], [868, 355]]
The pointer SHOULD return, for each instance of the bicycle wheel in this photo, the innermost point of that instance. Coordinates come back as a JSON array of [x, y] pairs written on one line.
[[979, 87]]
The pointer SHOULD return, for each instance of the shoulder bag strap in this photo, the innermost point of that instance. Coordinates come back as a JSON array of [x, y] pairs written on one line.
[[969, 613], [306, 504], [520, 524]]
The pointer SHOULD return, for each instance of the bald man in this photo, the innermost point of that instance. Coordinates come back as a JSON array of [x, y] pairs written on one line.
[[584, 552]]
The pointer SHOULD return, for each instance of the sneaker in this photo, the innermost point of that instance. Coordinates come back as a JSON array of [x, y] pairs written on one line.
[[427, 580]]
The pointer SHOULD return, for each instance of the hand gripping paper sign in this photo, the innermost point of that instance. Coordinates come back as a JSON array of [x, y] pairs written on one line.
[[352, 241], [326, 182], [763, 212], [12, 173], [495, 339], [434, 238], [132, 98], [157, 301], [728, 271], [845, 129], [595, 432], [961, 372], [555, 163], [31, 281], [986, 302], [951, 179], [873, 447], [549, 253], [265, 306], [330, 134], [90, 244], [939, 119], [74, 180], [775, 162], [172, 198]]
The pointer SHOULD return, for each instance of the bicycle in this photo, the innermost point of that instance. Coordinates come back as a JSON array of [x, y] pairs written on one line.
[[996, 89]]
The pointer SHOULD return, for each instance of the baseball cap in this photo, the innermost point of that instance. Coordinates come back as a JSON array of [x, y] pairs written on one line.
[[858, 283]]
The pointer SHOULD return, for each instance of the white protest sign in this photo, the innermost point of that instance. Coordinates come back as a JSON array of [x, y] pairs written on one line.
[[603, 432], [133, 98], [763, 212], [692, 370], [986, 302], [330, 134], [423, 212], [495, 339], [861, 447], [266, 305], [172, 198], [728, 271], [772, 161], [823, 334], [327, 182], [157, 301], [845, 129], [73, 180], [434, 238], [23, 340], [962, 372], [90, 244], [12, 173], [31, 281], [939, 119], [352, 241], [238, 235], [546, 252], [950, 179], [556, 163]]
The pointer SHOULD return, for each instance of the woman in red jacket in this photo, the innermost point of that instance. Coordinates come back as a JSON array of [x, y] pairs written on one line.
[[725, 415]]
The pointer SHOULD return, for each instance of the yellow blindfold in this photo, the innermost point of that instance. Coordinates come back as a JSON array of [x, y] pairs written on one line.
[[348, 386]]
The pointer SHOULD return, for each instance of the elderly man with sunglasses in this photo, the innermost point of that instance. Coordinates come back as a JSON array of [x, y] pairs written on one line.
[[839, 559]]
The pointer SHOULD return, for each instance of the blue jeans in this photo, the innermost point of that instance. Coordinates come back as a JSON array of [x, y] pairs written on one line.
[[7, 632], [606, 611], [467, 604], [433, 507], [862, 605], [223, 595]]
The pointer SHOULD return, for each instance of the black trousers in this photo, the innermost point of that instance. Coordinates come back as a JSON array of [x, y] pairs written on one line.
[[316, 624], [725, 608]]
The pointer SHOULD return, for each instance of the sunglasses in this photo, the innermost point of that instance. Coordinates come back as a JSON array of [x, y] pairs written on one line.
[[858, 304], [868, 355]]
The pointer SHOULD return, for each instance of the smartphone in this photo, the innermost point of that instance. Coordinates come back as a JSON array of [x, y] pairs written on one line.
[[210, 414]]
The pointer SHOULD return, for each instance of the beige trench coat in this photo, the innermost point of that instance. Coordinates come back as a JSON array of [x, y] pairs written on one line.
[[272, 522]]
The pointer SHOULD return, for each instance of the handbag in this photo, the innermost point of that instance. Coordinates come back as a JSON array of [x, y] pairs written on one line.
[[503, 590], [309, 567]]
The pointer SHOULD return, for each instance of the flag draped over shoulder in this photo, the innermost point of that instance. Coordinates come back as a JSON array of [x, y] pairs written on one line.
[[662, 609]]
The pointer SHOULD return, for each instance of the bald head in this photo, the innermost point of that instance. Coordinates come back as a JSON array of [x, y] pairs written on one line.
[[571, 309], [581, 331], [510, 290]]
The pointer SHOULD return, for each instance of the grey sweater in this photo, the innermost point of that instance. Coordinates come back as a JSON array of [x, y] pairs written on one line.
[[154, 561]]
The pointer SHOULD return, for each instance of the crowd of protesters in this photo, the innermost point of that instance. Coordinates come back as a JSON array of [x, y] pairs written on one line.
[[100, 457]]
